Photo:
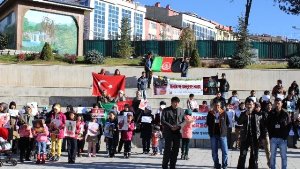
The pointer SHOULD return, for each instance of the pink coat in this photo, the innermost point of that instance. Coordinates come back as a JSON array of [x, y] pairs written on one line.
[[62, 118], [25, 131], [187, 130], [127, 135], [42, 137]]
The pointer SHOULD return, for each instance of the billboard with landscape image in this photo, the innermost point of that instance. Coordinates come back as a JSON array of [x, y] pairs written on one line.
[[58, 30]]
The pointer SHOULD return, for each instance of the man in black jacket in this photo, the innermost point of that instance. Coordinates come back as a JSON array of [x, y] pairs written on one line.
[[172, 117], [250, 133], [218, 122], [279, 125]]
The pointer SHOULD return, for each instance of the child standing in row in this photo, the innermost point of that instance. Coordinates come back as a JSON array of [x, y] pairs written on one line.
[[187, 133], [111, 133], [72, 140], [81, 135], [92, 136], [126, 136], [41, 133], [156, 135]]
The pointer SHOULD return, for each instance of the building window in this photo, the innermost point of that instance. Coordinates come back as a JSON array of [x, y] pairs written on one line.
[[113, 22], [99, 20], [153, 25], [138, 26], [126, 14]]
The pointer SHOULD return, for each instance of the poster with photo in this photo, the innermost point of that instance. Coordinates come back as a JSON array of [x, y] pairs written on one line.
[[210, 85], [123, 123], [97, 113], [109, 129], [56, 123], [160, 84], [146, 119], [5, 120], [70, 128], [81, 110]]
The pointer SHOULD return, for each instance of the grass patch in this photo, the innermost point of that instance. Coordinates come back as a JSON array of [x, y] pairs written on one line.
[[268, 66], [60, 60]]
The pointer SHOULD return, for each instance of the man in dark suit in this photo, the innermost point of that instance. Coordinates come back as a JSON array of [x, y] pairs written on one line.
[[171, 119]]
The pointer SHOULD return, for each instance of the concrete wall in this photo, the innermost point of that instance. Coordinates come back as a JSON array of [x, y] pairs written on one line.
[[47, 84]]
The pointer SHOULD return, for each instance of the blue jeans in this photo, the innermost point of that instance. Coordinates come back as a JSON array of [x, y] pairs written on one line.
[[161, 145], [282, 145], [215, 141], [41, 147], [144, 94]]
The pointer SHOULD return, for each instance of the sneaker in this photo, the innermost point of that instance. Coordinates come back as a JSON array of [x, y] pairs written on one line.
[[52, 158], [89, 155], [56, 158], [93, 155]]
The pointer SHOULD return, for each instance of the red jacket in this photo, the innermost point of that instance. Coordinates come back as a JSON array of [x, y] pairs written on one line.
[[62, 118], [127, 135]]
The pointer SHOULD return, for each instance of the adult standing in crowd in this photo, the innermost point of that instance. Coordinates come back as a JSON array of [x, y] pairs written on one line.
[[172, 117], [224, 86], [58, 121], [146, 122], [148, 67], [237, 127], [218, 122], [264, 135], [184, 67], [278, 90], [294, 86], [279, 124], [13, 125], [230, 114], [218, 99], [250, 134], [142, 85]]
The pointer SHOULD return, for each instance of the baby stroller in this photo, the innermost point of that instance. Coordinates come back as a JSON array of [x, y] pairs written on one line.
[[5, 149]]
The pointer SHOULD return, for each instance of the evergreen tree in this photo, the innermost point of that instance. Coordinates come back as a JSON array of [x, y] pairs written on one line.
[[46, 53], [3, 41], [187, 42], [242, 56], [125, 49], [195, 58]]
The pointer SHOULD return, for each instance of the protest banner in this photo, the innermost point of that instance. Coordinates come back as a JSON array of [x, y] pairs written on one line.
[[123, 123], [97, 113], [200, 129], [5, 120], [109, 129], [70, 128], [185, 87], [93, 129]]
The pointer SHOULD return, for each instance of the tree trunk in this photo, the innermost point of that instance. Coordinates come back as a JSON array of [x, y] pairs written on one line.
[[247, 14]]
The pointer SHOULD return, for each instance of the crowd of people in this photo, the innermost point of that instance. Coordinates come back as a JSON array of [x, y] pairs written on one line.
[[265, 122]]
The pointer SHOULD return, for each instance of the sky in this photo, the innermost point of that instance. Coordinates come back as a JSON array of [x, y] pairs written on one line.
[[265, 16]]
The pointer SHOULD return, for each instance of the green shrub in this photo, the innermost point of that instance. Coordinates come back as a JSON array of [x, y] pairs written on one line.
[[195, 59], [3, 41], [46, 53], [294, 62], [94, 57]]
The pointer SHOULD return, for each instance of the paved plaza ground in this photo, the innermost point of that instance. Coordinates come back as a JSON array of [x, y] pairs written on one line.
[[199, 158]]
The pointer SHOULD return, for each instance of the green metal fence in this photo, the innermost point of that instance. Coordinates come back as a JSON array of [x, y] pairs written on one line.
[[206, 48]]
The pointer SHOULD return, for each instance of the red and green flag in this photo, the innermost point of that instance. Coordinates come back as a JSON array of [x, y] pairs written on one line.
[[166, 64]]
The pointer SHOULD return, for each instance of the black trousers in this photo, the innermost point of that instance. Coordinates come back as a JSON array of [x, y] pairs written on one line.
[[127, 146], [146, 144], [253, 144], [149, 77], [80, 146], [120, 146], [229, 138], [25, 146], [172, 144], [64, 145], [72, 148], [112, 144], [185, 146]]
